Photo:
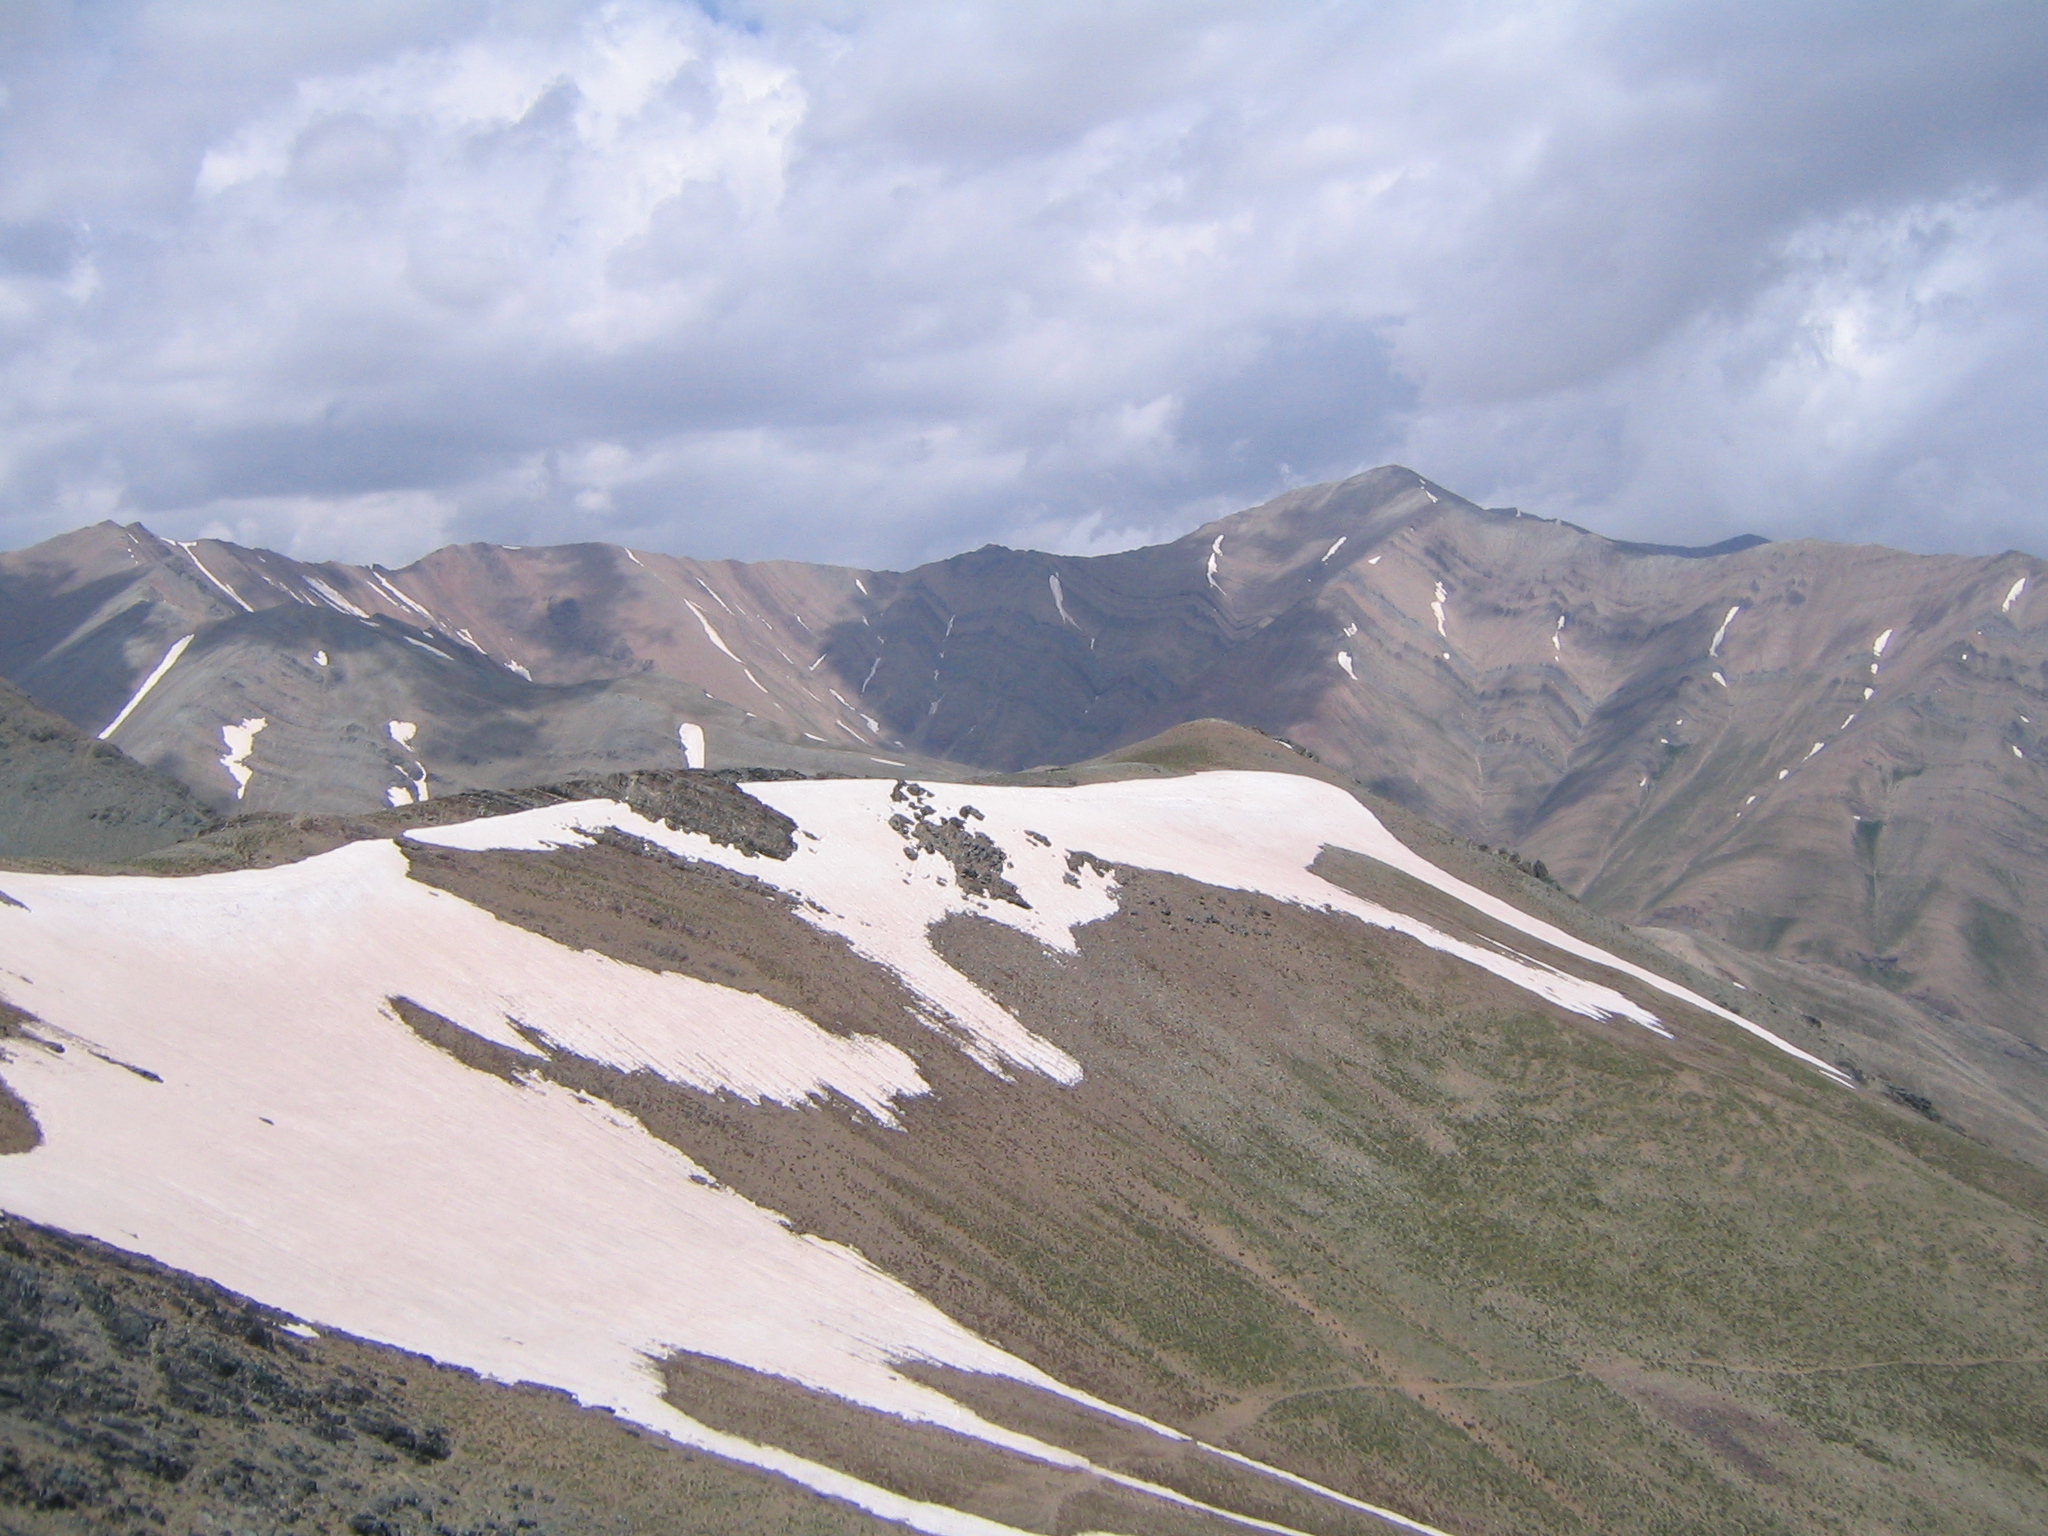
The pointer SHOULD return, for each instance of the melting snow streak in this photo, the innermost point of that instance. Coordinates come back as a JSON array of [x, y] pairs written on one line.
[[192, 555], [1215, 554], [156, 676], [1714, 649], [1059, 601], [332, 598], [1332, 550], [2013, 596], [711, 634]]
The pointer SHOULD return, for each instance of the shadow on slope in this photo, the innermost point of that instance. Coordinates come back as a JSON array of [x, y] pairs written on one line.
[[66, 796]]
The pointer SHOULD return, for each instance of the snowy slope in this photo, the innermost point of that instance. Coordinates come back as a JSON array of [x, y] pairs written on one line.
[[223, 1083], [1243, 831]]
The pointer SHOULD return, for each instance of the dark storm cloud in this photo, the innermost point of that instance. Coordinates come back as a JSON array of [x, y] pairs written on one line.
[[876, 282]]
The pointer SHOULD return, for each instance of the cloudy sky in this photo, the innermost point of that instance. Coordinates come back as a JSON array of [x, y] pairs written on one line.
[[879, 282]]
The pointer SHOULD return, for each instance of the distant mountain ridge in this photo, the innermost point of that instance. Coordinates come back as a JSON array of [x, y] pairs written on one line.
[[1822, 752]]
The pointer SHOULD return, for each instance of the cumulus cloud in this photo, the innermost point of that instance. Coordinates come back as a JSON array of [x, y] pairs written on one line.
[[878, 281]]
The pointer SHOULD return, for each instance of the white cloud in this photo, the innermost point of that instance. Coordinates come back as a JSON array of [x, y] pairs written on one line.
[[875, 281]]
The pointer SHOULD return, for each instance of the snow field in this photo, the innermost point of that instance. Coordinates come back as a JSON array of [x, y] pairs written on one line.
[[305, 1148], [236, 1100], [1239, 831], [854, 880]]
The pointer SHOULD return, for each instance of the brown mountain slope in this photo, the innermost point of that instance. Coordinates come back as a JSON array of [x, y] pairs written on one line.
[[66, 796]]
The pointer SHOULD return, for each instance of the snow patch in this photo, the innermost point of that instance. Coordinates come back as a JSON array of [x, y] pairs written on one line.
[[1344, 661], [193, 555], [334, 599], [319, 658], [402, 732], [378, 577], [238, 740], [1333, 549], [1215, 554], [1237, 830], [709, 633], [1436, 607], [1877, 646], [690, 737], [2013, 595], [1714, 647], [156, 675], [1719, 679], [515, 668], [1373, 560], [1059, 600]]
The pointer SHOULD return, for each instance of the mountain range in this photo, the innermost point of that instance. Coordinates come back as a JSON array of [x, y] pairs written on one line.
[[1813, 752], [1380, 1014]]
